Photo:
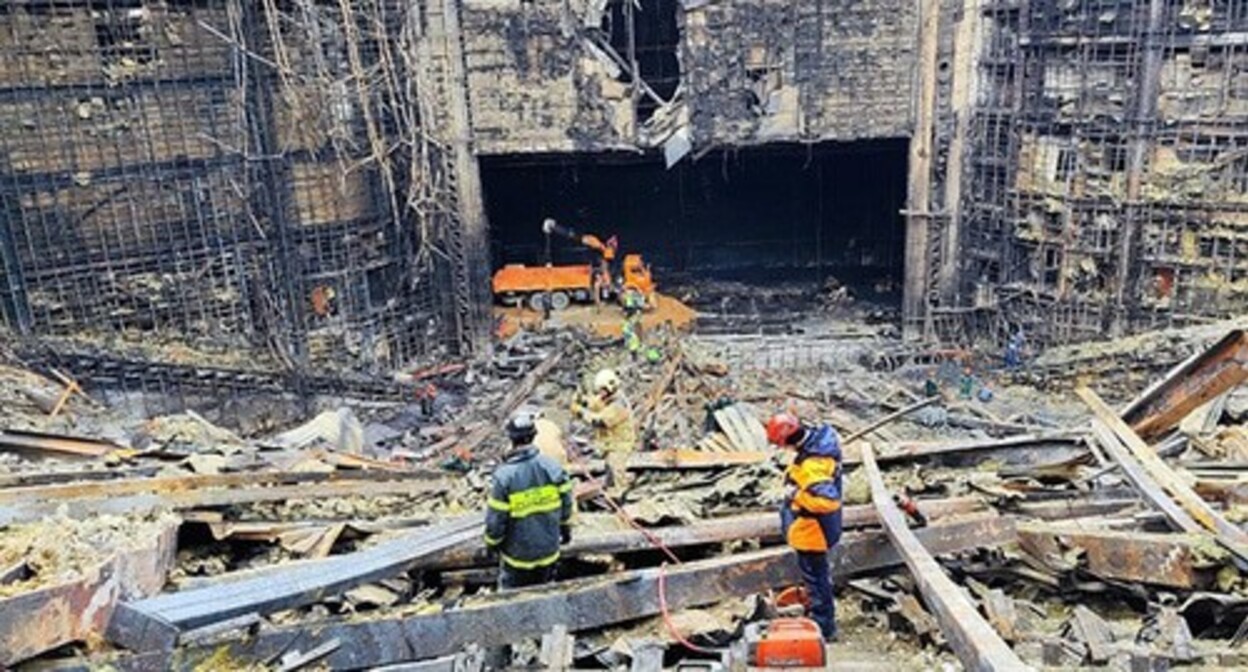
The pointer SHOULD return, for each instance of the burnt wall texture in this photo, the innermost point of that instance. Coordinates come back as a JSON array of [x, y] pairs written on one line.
[[247, 178], [586, 75], [1107, 173]]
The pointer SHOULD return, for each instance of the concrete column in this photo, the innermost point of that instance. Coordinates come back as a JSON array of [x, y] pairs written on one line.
[[919, 190]]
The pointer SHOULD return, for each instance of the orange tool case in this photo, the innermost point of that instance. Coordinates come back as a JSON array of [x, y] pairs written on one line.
[[789, 642]]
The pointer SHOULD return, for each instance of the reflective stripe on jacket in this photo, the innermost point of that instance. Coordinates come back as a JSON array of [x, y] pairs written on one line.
[[811, 518], [530, 498]]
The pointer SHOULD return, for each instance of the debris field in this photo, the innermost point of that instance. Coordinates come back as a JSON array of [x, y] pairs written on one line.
[[1082, 509]]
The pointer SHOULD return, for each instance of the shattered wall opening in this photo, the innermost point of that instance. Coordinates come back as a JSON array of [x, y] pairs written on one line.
[[648, 34], [832, 208]]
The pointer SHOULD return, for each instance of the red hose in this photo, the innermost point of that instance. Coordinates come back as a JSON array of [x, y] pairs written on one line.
[[667, 617], [658, 544]]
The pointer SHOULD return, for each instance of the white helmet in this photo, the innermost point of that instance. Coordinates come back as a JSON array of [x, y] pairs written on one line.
[[606, 381]]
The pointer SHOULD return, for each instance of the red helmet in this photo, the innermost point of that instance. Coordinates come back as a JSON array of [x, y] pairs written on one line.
[[782, 427]]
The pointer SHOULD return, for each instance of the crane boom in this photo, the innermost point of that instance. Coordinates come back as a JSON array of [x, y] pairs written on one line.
[[591, 241]]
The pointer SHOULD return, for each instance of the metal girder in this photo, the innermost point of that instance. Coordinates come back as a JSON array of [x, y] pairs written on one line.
[[1195, 382], [976, 644], [1182, 561], [45, 618], [579, 605], [1228, 534], [156, 623]]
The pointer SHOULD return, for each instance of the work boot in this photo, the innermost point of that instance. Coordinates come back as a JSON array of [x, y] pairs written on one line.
[[832, 637]]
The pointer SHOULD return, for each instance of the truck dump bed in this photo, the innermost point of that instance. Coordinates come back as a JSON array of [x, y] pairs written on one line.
[[518, 278]]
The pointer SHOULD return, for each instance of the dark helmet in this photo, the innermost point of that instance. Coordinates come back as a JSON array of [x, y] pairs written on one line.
[[522, 428]]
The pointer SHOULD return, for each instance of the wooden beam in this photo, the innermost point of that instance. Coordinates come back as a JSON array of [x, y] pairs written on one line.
[[156, 623], [976, 644], [1027, 449], [512, 402], [1188, 386], [651, 402], [579, 605], [1183, 561], [678, 459], [901, 412], [764, 527], [1228, 534], [1144, 483], [118, 488], [148, 502], [54, 445]]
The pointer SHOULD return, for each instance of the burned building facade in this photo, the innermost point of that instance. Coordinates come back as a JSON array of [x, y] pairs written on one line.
[[309, 181]]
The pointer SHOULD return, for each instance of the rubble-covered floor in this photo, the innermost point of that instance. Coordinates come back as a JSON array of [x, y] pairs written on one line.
[[132, 504]]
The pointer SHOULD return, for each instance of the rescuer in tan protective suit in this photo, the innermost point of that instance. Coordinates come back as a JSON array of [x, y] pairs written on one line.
[[611, 417]]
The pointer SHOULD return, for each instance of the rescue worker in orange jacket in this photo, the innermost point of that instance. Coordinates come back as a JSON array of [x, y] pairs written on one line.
[[811, 514]]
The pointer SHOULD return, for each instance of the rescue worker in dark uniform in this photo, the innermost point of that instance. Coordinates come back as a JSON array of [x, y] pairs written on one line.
[[810, 517], [529, 511]]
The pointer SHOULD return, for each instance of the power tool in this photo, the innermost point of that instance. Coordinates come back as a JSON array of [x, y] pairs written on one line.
[[787, 642], [911, 509]]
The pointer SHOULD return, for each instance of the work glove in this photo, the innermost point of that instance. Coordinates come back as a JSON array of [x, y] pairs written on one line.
[[565, 534], [491, 554], [790, 492]]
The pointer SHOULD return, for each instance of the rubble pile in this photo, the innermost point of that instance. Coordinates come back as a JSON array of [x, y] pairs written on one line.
[[1074, 530]]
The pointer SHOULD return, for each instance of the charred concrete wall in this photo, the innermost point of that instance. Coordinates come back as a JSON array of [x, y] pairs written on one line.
[[585, 75], [1106, 175], [250, 178]]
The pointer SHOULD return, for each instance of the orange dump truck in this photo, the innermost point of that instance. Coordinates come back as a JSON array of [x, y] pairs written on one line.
[[516, 283]]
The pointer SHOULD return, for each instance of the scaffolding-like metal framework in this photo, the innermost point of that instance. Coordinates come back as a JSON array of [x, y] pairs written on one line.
[[236, 176], [1108, 165]]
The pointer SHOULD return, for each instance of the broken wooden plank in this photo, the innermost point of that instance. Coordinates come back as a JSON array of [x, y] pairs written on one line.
[[1191, 384], [895, 415], [473, 440], [1147, 487], [1228, 534], [1021, 450], [1184, 561], [54, 477], [693, 459], [49, 617], [580, 605], [145, 503], [764, 527], [1095, 633], [976, 644], [118, 488], [156, 623], [730, 423], [54, 445], [655, 395]]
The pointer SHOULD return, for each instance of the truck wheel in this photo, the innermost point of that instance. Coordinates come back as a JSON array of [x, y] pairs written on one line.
[[559, 301], [537, 301]]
